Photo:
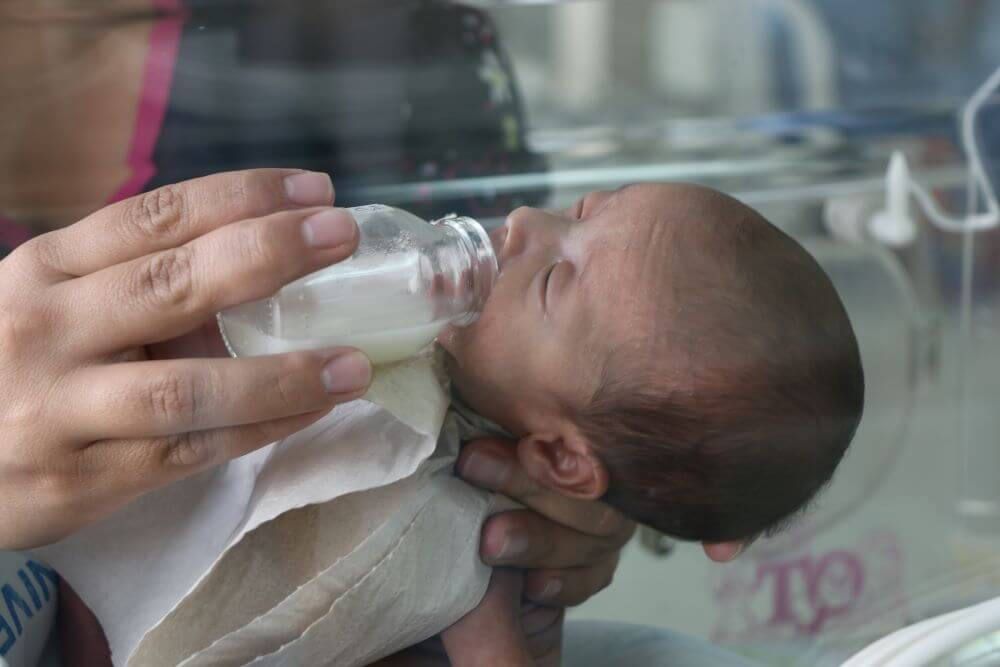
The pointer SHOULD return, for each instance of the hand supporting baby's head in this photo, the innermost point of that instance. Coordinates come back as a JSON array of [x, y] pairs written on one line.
[[666, 348]]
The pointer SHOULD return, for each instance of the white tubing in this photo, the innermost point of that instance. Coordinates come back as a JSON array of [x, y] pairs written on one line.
[[979, 180], [881, 652], [920, 644], [980, 620], [969, 114]]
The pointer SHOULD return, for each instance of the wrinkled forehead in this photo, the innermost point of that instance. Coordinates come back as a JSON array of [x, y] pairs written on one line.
[[639, 220], [635, 242], [640, 231], [652, 251]]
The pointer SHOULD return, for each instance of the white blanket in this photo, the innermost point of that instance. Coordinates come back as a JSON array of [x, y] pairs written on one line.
[[338, 545]]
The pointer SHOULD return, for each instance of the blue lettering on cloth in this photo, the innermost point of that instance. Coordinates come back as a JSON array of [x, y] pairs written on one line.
[[9, 638], [16, 607], [30, 587], [41, 573], [12, 599]]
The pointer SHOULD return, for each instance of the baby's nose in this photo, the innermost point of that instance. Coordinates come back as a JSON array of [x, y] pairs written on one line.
[[498, 236], [519, 231]]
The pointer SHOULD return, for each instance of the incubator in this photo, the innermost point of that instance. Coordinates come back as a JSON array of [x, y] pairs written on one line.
[[869, 131]]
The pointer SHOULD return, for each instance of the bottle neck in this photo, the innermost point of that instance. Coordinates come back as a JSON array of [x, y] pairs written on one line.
[[482, 262]]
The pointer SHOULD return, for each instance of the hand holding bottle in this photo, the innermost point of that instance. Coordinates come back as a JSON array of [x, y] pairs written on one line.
[[95, 408]]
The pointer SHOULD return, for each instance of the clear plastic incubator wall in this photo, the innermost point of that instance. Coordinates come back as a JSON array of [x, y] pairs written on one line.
[[797, 107], [867, 129]]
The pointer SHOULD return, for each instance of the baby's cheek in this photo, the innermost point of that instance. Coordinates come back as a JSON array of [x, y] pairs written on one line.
[[465, 348], [568, 372]]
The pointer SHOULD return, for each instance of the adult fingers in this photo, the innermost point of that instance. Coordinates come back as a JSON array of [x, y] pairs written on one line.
[[542, 626], [571, 586], [113, 472], [526, 539], [171, 292], [491, 633], [175, 214], [156, 398], [492, 464], [723, 552]]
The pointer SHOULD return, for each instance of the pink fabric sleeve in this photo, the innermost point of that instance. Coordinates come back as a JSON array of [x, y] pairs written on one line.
[[159, 71], [160, 61], [12, 234]]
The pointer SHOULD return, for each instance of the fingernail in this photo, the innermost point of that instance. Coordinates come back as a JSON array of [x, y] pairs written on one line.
[[551, 589], [309, 188], [485, 471], [330, 228], [515, 544], [347, 373]]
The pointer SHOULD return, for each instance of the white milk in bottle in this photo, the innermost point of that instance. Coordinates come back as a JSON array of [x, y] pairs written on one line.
[[405, 283]]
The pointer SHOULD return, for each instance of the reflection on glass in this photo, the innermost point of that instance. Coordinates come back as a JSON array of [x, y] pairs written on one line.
[[476, 108]]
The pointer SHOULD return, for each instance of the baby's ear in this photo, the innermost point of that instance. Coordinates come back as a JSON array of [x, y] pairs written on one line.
[[564, 464]]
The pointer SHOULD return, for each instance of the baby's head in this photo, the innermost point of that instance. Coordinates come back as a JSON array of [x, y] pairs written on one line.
[[665, 348]]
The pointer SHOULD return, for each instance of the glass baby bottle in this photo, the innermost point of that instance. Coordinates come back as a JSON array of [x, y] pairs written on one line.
[[407, 280]]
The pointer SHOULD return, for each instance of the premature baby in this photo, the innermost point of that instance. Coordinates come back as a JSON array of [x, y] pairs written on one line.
[[665, 348], [661, 347]]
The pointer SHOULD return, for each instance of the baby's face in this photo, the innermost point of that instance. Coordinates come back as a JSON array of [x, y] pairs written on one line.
[[570, 291]]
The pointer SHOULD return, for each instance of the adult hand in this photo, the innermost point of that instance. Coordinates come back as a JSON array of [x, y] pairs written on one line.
[[491, 635], [501, 630], [91, 413], [723, 552], [569, 547], [572, 543]]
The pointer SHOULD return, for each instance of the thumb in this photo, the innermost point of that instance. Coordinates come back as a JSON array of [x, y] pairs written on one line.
[[490, 635]]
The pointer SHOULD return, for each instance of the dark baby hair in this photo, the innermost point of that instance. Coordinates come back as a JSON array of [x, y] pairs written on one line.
[[753, 392]]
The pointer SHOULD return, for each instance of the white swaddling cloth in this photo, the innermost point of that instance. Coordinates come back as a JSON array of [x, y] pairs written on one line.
[[338, 545]]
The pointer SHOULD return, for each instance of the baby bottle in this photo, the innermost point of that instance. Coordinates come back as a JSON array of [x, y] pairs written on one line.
[[406, 282]]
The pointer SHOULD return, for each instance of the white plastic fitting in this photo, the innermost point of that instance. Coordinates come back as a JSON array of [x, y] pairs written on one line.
[[895, 226]]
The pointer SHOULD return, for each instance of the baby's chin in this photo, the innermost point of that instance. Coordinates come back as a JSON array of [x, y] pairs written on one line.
[[464, 385], [468, 392], [448, 339], [467, 382]]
